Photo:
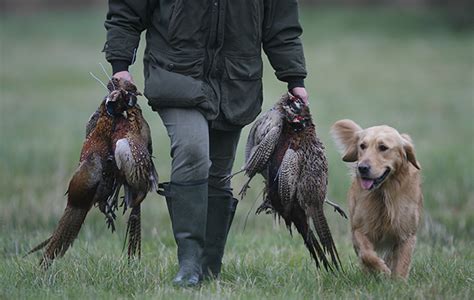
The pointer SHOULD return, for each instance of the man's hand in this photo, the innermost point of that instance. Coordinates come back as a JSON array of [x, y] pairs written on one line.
[[124, 75], [300, 92]]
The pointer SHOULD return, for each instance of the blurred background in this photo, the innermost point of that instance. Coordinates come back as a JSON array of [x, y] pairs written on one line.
[[460, 12], [405, 63]]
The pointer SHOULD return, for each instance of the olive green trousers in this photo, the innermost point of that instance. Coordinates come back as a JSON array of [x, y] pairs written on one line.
[[201, 153]]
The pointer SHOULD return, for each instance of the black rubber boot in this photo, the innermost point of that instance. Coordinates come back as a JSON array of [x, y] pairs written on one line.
[[220, 214], [187, 205]]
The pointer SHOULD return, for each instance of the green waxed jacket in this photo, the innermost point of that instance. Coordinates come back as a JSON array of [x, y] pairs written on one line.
[[207, 53]]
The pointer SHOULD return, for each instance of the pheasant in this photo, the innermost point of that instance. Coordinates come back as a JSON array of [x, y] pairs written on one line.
[[132, 146], [283, 147], [92, 182]]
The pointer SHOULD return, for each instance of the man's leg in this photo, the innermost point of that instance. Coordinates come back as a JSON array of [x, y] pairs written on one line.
[[221, 204], [187, 193]]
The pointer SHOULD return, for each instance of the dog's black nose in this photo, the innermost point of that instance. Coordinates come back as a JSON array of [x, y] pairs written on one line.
[[363, 169]]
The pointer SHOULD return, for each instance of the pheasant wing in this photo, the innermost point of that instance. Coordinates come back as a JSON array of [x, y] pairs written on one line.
[[262, 152], [288, 177], [92, 122], [261, 142], [260, 129]]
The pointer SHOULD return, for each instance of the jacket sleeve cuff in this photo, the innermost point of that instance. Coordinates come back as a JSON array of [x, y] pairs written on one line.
[[294, 82], [119, 65]]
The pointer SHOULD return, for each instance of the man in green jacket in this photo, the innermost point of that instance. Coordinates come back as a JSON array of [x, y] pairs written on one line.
[[203, 75]]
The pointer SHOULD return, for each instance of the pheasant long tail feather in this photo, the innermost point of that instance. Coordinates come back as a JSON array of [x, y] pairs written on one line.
[[134, 233], [311, 242], [324, 234], [68, 228]]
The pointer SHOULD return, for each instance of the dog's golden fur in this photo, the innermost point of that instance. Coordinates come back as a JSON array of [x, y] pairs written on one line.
[[385, 197]]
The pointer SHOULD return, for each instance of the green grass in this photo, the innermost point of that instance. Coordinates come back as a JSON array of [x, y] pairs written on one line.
[[405, 69]]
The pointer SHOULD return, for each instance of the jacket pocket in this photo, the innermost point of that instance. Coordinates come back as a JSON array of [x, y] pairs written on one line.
[[173, 82], [189, 66], [242, 89]]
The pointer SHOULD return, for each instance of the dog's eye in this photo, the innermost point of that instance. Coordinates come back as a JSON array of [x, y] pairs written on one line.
[[363, 146], [383, 148]]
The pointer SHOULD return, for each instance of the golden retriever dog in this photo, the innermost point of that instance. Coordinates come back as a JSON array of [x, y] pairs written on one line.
[[385, 197]]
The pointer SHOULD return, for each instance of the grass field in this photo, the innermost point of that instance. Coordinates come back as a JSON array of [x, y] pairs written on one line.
[[405, 69]]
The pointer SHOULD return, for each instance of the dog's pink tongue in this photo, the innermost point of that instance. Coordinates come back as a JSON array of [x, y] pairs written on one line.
[[366, 183]]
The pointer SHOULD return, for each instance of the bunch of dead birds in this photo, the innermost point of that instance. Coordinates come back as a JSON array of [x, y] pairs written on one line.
[[116, 153], [282, 146]]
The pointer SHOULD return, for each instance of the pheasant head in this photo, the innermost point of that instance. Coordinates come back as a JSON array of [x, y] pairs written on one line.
[[295, 111], [122, 95]]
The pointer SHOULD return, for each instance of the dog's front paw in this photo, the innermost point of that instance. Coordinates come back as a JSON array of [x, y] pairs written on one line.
[[375, 264], [385, 269]]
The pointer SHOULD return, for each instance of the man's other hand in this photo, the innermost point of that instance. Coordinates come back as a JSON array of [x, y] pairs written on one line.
[[124, 75]]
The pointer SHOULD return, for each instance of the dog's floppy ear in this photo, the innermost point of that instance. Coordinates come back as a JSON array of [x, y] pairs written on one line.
[[410, 150], [346, 136]]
